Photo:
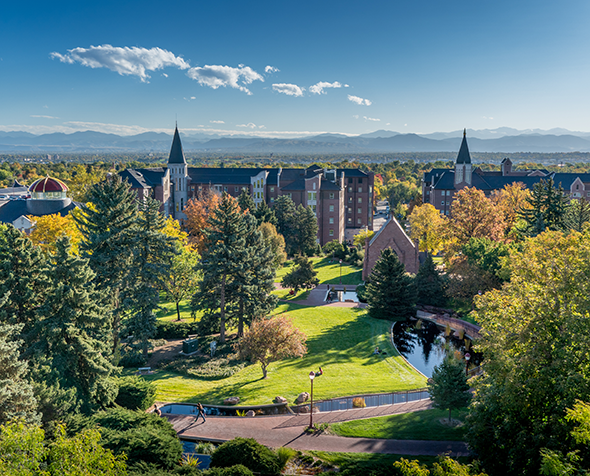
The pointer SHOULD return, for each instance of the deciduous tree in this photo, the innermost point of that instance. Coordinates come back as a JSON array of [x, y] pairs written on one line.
[[473, 215], [301, 276], [197, 211], [276, 242], [272, 339], [427, 226], [49, 228], [182, 281]]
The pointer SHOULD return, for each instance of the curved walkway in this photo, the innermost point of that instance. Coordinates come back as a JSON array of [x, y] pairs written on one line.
[[288, 430], [317, 295]]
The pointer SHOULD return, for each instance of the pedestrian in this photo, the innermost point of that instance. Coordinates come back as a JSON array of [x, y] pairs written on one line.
[[157, 410], [201, 413]]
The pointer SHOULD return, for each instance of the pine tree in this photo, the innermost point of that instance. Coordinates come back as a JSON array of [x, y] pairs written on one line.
[[72, 329], [448, 386], [224, 258], [152, 256], [246, 202], [284, 210], [305, 231], [430, 286], [301, 276], [21, 281], [16, 393], [578, 215], [265, 215], [108, 227], [547, 208], [390, 291]]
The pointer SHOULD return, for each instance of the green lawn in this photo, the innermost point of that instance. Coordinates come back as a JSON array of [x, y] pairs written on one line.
[[328, 273], [340, 340], [285, 294], [423, 425], [168, 310]]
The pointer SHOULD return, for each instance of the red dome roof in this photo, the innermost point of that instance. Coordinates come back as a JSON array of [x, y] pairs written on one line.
[[48, 184]]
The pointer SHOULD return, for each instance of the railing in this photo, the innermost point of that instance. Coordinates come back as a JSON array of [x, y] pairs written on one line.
[[469, 328], [371, 400]]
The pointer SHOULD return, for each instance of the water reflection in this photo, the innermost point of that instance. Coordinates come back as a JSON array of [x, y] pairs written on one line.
[[425, 345]]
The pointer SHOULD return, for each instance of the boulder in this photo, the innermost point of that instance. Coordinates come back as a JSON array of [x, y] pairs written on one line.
[[303, 397], [303, 410], [231, 401], [279, 399], [250, 413]]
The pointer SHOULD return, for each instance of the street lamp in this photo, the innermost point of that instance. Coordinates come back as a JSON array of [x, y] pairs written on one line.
[[467, 357], [340, 271], [313, 375]]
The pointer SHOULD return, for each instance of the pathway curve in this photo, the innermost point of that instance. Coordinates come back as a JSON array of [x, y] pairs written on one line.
[[288, 430], [317, 295]]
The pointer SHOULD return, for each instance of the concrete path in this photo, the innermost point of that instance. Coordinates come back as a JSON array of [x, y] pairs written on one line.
[[318, 294], [288, 430]]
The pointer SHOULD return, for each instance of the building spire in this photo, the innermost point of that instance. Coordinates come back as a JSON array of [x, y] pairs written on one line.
[[176, 153], [465, 132]]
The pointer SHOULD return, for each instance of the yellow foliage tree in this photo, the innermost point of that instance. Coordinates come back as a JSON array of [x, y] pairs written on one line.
[[428, 226], [361, 236], [509, 201], [49, 228]]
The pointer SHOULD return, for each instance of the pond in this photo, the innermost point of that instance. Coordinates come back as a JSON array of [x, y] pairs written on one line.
[[425, 345]]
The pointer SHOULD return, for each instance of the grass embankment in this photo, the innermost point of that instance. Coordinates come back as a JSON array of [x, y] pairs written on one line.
[[423, 425], [340, 340], [328, 273]]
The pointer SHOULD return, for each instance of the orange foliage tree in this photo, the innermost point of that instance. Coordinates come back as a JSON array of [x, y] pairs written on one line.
[[197, 211], [509, 201], [271, 339]]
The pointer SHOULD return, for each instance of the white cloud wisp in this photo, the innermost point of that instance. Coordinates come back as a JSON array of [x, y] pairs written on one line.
[[318, 88], [216, 76], [288, 89], [271, 69], [123, 60], [359, 101]]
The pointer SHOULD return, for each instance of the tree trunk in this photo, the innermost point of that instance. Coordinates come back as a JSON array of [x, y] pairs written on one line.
[[116, 320], [177, 311], [241, 319], [264, 370], [222, 311], [449, 417]]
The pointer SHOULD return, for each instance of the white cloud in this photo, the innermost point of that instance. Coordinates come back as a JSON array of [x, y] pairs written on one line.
[[288, 89], [125, 61], [251, 125], [44, 117], [318, 88], [271, 69], [359, 101], [217, 122], [356, 116], [215, 76], [371, 119], [165, 75]]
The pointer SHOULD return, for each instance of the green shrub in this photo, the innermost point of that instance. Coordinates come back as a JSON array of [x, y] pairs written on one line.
[[285, 455], [204, 448], [250, 453], [237, 470], [132, 359], [135, 393], [361, 291], [175, 330]]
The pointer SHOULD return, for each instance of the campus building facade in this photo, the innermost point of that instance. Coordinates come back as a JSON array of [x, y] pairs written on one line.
[[342, 199]]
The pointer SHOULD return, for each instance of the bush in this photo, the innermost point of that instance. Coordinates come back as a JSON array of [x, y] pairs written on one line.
[[250, 453], [361, 292], [237, 470], [132, 359], [333, 246], [204, 448], [358, 402], [135, 393], [285, 455], [175, 330]]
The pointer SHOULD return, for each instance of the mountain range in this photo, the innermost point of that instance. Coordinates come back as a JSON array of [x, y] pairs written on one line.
[[488, 140]]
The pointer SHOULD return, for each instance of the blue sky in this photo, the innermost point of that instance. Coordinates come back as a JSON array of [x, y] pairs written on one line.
[[285, 69]]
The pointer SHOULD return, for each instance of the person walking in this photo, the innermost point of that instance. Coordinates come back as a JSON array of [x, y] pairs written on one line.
[[201, 413]]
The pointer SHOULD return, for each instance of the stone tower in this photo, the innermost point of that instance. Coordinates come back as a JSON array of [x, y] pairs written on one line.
[[178, 176], [463, 164]]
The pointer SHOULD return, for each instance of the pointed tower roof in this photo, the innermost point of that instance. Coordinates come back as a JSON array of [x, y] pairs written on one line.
[[176, 153], [463, 157]]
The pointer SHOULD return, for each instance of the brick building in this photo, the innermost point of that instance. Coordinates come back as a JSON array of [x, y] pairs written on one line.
[[342, 199]]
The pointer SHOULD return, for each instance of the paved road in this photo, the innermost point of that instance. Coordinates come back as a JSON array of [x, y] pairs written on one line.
[[288, 430]]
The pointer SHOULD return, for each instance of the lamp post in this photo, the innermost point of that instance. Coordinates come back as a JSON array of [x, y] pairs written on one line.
[[313, 375], [467, 357], [340, 271]]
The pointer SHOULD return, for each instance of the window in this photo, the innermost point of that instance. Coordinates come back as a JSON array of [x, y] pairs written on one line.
[[349, 180], [359, 210], [442, 204], [311, 195], [236, 189], [350, 220], [314, 185], [448, 193], [360, 189], [360, 222], [360, 180], [181, 204], [360, 199], [331, 195], [225, 189], [350, 199], [370, 189], [350, 189], [331, 220], [331, 208], [331, 232], [272, 189], [349, 210]]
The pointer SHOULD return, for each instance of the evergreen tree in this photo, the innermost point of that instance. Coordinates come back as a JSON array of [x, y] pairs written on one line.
[[72, 329], [21, 280], [254, 282], [448, 387], [305, 231], [152, 255], [246, 202], [16, 393], [265, 215], [430, 286], [547, 208], [390, 291], [578, 215], [284, 210], [224, 258], [301, 276], [108, 227]]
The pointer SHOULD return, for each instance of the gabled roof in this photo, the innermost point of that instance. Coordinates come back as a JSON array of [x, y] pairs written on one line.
[[464, 157], [567, 179], [296, 185], [176, 153], [222, 175], [329, 185]]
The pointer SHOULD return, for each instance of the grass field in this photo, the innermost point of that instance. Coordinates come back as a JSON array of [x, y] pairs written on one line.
[[328, 273], [423, 425], [340, 340]]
